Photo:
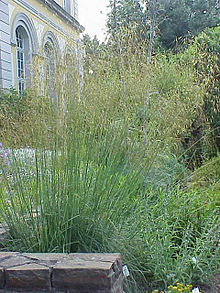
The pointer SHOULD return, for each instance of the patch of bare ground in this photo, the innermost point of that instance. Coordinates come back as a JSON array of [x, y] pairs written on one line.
[[213, 287]]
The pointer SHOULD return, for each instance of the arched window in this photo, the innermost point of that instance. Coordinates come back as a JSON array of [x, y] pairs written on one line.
[[50, 53], [21, 58], [52, 56], [50, 67], [24, 38]]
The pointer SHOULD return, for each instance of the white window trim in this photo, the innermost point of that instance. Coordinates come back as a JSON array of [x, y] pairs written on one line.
[[20, 80], [21, 19]]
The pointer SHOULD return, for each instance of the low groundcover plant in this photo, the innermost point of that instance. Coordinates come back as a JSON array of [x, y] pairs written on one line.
[[179, 288]]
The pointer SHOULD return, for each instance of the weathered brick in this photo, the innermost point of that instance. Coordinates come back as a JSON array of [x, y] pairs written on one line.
[[30, 277], [2, 279]]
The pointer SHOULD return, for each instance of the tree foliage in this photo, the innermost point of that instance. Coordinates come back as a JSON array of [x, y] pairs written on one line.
[[168, 20], [127, 14], [183, 18]]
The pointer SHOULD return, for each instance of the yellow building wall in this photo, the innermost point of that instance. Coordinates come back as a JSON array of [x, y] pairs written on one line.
[[65, 33]]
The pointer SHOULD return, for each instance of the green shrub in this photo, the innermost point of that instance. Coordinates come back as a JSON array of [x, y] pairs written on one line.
[[202, 140]]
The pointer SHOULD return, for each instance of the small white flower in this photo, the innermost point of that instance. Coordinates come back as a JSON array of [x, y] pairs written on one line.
[[195, 290], [194, 260]]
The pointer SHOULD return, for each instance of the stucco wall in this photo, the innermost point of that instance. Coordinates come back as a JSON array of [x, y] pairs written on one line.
[[5, 48]]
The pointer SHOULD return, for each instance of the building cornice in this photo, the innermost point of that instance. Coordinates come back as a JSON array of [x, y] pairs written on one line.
[[63, 14]]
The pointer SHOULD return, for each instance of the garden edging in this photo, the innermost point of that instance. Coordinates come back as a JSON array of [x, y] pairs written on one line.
[[60, 272]]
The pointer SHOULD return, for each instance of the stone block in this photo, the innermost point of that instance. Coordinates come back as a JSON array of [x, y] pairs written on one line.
[[4, 1], [85, 273], [3, 7], [29, 291], [2, 278], [60, 273], [7, 75], [117, 285], [87, 291], [97, 257], [6, 56], [46, 256], [5, 65], [4, 26], [4, 255], [5, 83], [28, 277], [13, 260], [6, 47]]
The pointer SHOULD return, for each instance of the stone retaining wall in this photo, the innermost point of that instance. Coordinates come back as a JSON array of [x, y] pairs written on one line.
[[59, 272], [70, 273]]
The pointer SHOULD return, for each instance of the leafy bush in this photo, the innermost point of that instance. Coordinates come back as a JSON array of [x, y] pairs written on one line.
[[12, 103], [202, 140], [210, 41]]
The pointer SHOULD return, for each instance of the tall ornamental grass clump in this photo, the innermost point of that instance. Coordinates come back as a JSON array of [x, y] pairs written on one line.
[[80, 196], [77, 190]]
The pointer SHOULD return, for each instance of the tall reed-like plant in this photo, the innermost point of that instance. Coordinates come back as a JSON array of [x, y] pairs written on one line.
[[80, 196]]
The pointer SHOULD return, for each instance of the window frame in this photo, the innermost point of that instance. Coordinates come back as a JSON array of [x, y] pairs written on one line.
[[20, 60], [67, 6], [22, 23]]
